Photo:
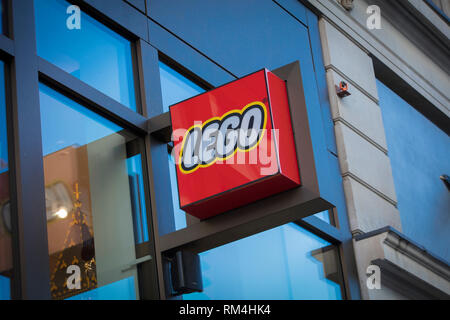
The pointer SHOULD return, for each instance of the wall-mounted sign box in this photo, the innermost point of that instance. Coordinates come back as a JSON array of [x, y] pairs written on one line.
[[234, 145]]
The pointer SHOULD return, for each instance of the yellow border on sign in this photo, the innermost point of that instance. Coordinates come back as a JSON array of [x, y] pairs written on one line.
[[220, 118]]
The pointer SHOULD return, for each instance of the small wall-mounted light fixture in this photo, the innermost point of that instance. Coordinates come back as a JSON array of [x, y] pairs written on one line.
[[446, 180], [342, 89], [347, 4]]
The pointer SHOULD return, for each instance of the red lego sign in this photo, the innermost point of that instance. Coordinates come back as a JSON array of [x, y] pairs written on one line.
[[234, 145]]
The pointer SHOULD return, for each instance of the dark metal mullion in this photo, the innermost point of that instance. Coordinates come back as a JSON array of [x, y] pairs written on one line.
[[7, 54], [91, 97], [119, 17], [322, 229], [6, 46], [149, 286], [157, 159], [16, 282], [139, 98], [150, 81], [347, 292], [116, 15], [159, 202], [28, 168]]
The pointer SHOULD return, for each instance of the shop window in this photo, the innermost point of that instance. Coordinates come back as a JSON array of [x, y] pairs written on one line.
[[89, 50], [96, 211], [285, 263], [175, 88], [6, 260]]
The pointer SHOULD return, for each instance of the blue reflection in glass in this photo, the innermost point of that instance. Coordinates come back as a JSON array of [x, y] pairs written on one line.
[[282, 263], [95, 54], [179, 215], [105, 148], [175, 88], [324, 216], [79, 125], [82, 126], [134, 165], [5, 291], [120, 290]]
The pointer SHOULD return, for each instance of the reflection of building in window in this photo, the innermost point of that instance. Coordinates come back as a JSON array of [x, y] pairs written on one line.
[[69, 220], [78, 250], [3, 165], [328, 261], [82, 147], [58, 201], [69, 225]]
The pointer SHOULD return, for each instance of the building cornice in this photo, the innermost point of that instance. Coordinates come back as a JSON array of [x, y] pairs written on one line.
[[422, 26], [406, 266], [419, 254], [402, 244], [433, 36]]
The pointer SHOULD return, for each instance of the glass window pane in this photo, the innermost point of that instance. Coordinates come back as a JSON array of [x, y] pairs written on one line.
[[324, 216], [284, 263], [120, 290], [136, 176], [93, 53], [94, 198], [175, 88], [6, 261]]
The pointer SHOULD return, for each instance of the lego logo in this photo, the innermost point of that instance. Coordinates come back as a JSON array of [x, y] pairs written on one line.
[[219, 138]]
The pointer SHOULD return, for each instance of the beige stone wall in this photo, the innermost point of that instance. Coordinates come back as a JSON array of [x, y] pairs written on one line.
[[361, 143]]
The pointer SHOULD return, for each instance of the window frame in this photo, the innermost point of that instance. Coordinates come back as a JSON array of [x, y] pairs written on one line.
[[128, 35], [6, 57]]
